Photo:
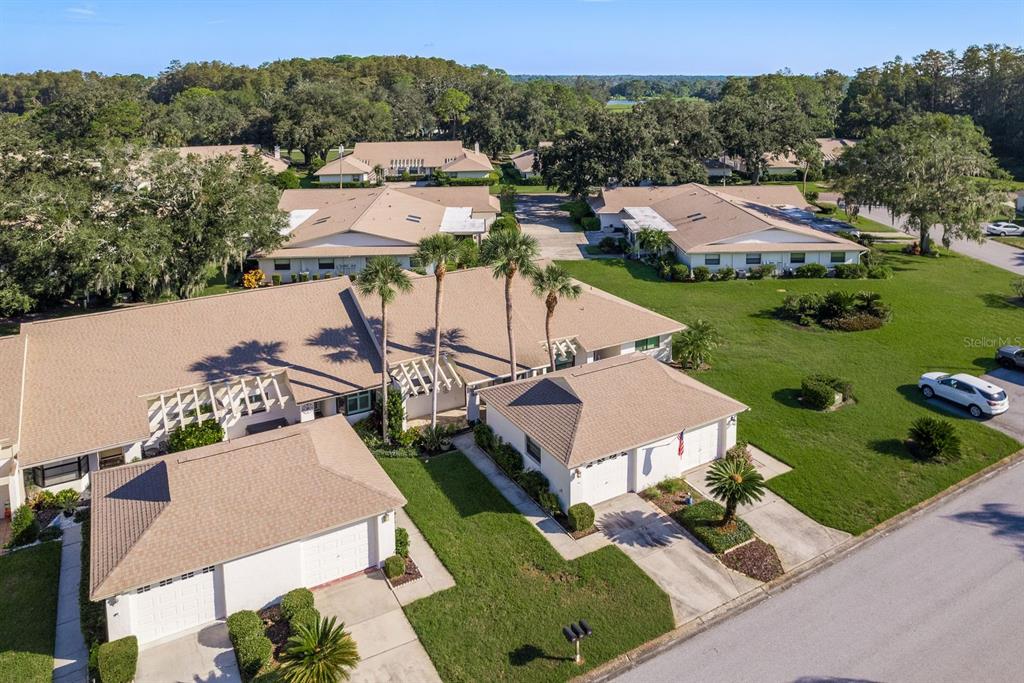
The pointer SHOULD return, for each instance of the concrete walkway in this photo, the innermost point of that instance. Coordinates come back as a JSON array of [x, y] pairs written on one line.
[[70, 657], [388, 646], [567, 546], [434, 577]]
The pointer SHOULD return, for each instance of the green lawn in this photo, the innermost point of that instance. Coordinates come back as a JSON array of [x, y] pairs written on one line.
[[28, 605], [862, 223], [850, 467], [1011, 241], [513, 593]]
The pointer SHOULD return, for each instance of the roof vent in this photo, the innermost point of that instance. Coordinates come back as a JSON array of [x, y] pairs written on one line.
[[413, 218]]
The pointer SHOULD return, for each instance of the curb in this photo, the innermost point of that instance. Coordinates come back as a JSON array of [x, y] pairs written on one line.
[[683, 632]]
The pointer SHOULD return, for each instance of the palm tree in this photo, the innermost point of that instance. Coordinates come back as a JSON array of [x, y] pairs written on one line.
[[383, 277], [509, 252], [550, 284], [653, 241], [438, 250], [694, 346], [378, 173], [319, 652], [734, 481]]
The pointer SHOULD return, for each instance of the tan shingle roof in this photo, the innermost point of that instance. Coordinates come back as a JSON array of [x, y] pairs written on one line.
[[12, 356], [348, 165], [473, 321], [584, 413], [160, 518], [85, 375], [214, 151], [469, 161], [524, 160], [428, 153]]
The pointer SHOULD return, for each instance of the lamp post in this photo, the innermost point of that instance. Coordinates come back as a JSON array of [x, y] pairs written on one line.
[[574, 633]]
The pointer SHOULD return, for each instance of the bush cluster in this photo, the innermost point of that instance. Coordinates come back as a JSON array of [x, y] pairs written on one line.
[[590, 223], [811, 270], [394, 567], [434, 440], [701, 274], [24, 526], [836, 310], [402, 542], [612, 245], [581, 517], [766, 270], [819, 391], [484, 437], [116, 660], [295, 600], [934, 439], [195, 435], [308, 616], [508, 459], [851, 271], [252, 647]]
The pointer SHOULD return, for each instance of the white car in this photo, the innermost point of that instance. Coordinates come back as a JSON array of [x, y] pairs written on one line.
[[1003, 229], [977, 395]]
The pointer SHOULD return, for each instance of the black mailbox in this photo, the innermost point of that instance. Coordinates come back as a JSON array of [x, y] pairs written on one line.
[[587, 631], [568, 633]]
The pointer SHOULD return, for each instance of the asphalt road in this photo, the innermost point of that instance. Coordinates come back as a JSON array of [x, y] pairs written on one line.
[[940, 599]]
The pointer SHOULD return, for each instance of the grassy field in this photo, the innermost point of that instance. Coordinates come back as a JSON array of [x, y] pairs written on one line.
[[851, 470], [862, 223], [502, 621], [28, 605]]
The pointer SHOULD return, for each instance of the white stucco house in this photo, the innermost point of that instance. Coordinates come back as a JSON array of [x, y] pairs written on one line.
[[334, 232], [346, 169], [597, 325], [273, 159], [184, 539], [424, 157], [525, 161], [737, 226], [616, 425]]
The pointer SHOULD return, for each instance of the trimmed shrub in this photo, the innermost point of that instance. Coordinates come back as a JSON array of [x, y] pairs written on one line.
[[253, 654], [306, 615], [508, 459], [402, 542], [243, 625], [816, 394], [665, 271], [549, 502], [195, 435], [811, 270], [851, 271], [394, 567], [24, 526], [483, 435], [67, 500], [879, 272], [581, 517], [701, 273], [934, 439], [590, 223], [679, 272], [740, 451], [276, 279], [725, 273], [761, 272], [533, 482], [116, 660], [303, 277], [294, 600], [293, 278]]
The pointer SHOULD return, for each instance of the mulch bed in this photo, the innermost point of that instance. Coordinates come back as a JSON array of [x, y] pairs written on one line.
[[276, 628], [672, 502], [46, 515], [755, 558], [412, 572]]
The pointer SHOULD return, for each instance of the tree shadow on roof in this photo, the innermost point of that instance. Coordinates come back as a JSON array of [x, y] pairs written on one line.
[[244, 358]]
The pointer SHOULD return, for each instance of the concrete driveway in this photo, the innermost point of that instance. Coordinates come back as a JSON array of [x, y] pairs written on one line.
[[539, 216], [203, 656], [388, 646], [694, 580]]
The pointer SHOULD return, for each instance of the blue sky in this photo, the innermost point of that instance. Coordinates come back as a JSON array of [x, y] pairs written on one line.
[[520, 36]]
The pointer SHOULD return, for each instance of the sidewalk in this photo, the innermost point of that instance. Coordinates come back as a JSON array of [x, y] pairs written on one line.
[[567, 546], [434, 577], [70, 657]]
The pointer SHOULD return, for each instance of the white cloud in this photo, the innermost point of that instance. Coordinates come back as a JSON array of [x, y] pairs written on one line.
[[80, 12]]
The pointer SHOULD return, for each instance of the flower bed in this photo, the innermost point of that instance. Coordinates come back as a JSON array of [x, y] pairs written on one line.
[[756, 559], [703, 520], [412, 572]]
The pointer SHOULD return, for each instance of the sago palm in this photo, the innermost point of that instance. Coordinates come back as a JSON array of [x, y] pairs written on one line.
[[551, 284], [383, 277], [438, 251], [694, 346], [734, 481], [509, 253], [319, 652]]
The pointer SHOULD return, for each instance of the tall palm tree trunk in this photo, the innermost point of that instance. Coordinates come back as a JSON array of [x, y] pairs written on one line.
[[551, 303], [385, 433], [439, 294], [508, 324]]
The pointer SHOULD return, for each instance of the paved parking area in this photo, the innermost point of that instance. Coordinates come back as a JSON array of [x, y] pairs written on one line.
[[202, 656], [539, 216], [694, 580], [388, 646], [1011, 422]]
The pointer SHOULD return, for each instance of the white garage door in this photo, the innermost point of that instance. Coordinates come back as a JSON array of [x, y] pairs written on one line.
[[176, 605], [700, 446], [336, 554], [606, 478]]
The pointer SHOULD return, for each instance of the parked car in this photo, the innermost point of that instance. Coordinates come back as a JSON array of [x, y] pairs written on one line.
[[1004, 229], [977, 395], [1011, 357]]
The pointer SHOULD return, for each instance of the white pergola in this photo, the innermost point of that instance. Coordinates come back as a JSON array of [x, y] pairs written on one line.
[[564, 348], [236, 397], [415, 376]]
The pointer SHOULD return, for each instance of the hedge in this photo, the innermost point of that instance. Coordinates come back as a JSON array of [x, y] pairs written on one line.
[[581, 516], [402, 542], [816, 394], [116, 660], [703, 521], [243, 625], [851, 271], [811, 270], [24, 526], [483, 435], [92, 616], [295, 600]]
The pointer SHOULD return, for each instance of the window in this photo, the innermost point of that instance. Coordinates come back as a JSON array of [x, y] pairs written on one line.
[[318, 409], [61, 473], [282, 264], [712, 259], [112, 457], [753, 259], [797, 257], [837, 257], [325, 264], [647, 344], [533, 450], [353, 404]]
